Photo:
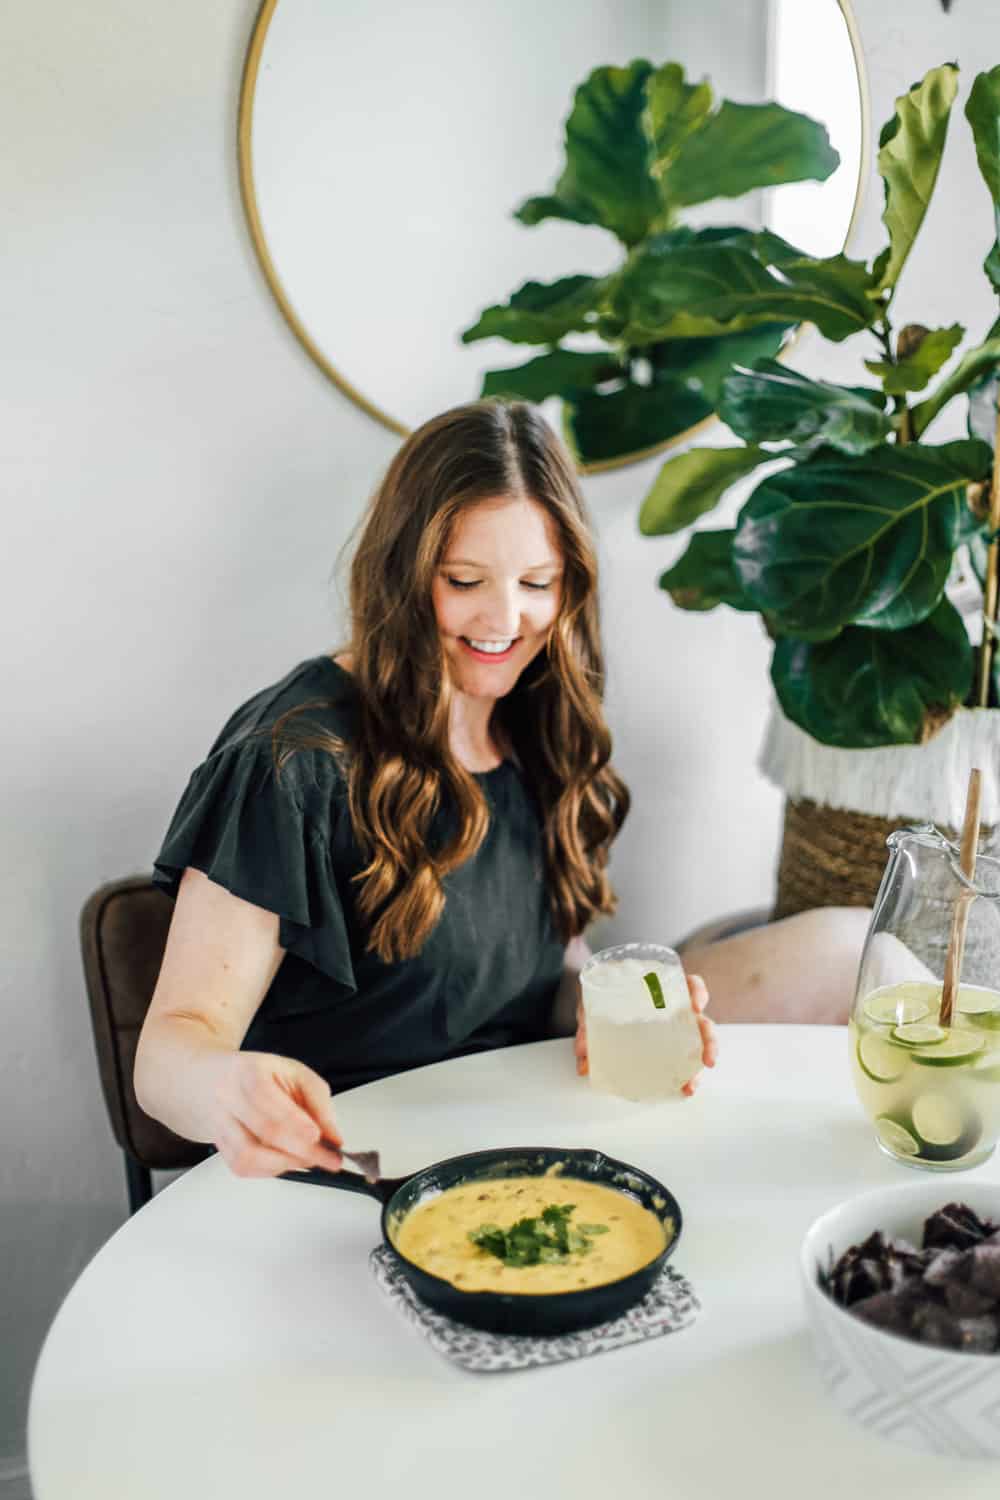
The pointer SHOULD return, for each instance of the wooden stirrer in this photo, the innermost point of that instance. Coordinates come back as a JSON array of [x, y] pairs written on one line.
[[960, 916]]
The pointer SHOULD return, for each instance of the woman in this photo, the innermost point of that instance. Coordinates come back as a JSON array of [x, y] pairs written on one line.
[[389, 857]]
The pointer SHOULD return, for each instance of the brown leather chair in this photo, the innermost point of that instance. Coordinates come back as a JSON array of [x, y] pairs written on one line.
[[123, 932]]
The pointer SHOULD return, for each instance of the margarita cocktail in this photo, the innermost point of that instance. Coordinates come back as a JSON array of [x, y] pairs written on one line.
[[643, 1040]]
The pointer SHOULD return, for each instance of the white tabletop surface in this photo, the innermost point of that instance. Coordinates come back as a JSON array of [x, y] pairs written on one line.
[[230, 1341]]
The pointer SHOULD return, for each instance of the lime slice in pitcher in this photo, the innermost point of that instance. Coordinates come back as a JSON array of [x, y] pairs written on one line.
[[896, 1137], [944, 1128], [898, 1006], [919, 1034], [958, 1048], [983, 1004], [879, 1060], [986, 1069]]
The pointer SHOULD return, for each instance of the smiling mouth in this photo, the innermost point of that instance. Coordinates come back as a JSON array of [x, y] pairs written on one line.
[[489, 650]]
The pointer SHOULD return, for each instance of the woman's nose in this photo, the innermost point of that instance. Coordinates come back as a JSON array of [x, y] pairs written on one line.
[[503, 611]]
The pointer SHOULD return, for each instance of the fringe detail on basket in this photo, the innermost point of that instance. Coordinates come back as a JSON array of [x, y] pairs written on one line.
[[920, 783]]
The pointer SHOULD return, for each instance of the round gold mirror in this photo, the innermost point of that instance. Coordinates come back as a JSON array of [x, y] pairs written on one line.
[[383, 151]]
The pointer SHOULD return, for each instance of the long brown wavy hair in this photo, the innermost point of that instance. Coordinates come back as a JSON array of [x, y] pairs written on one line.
[[401, 771]]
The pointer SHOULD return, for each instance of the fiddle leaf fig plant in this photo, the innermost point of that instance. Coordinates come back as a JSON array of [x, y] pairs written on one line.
[[846, 545], [643, 145]]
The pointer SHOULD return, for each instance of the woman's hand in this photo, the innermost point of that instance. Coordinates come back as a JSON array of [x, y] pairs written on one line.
[[698, 990], [271, 1115], [709, 1043]]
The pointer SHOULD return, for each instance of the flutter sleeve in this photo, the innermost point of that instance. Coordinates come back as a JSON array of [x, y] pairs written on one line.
[[266, 837]]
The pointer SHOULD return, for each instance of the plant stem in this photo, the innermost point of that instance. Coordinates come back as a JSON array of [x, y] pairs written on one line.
[[992, 562], [905, 433]]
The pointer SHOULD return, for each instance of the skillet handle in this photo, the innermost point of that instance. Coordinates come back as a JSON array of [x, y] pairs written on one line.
[[350, 1182]]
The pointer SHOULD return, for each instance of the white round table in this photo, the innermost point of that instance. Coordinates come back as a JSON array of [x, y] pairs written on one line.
[[230, 1343]]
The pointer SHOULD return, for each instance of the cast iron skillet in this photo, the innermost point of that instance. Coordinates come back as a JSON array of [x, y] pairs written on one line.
[[527, 1312]]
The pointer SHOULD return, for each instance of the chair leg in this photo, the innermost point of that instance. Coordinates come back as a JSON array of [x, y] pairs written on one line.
[[140, 1183]]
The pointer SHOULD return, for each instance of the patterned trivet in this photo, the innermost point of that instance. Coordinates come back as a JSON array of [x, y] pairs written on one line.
[[669, 1305]]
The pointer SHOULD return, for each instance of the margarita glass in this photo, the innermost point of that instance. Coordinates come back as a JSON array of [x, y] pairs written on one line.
[[643, 1038]]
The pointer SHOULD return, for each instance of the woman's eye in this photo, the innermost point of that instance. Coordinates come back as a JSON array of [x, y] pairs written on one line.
[[473, 583]]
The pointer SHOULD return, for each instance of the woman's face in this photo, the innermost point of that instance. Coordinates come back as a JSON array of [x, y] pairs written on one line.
[[496, 593]]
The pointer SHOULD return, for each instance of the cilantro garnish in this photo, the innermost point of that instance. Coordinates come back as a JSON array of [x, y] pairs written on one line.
[[548, 1238]]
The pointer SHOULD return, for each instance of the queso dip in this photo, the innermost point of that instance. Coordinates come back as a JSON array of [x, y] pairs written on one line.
[[435, 1234]]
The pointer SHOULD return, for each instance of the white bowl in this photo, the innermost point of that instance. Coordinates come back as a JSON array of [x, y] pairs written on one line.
[[937, 1400]]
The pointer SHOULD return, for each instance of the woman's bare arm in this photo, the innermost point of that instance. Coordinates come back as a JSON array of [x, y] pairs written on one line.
[[264, 1113], [803, 968]]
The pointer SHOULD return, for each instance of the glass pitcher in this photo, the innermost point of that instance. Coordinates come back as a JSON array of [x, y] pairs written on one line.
[[930, 1084]]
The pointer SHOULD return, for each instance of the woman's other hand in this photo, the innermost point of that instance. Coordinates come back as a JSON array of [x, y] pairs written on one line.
[[273, 1115], [698, 991], [709, 1042]]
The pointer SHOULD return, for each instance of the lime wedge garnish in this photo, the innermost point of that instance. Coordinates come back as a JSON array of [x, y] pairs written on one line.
[[897, 1006], [652, 983], [896, 1137], [879, 1060], [958, 1048], [919, 1034]]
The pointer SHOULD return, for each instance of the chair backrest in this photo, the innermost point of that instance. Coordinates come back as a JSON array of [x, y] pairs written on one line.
[[123, 932]]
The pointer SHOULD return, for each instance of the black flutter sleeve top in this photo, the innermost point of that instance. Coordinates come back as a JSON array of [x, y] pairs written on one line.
[[486, 976]]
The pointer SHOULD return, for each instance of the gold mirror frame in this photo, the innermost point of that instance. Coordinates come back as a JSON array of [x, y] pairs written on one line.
[[248, 194]]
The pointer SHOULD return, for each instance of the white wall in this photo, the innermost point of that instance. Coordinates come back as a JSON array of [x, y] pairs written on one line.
[[179, 481]]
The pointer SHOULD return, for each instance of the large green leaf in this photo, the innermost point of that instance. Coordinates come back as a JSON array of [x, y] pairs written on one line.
[[742, 147], [677, 290], [982, 110], [979, 550], [847, 284], [991, 265], [911, 146], [876, 687], [769, 403], [606, 179], [550, 206], [674, 108], [772, 250], [984, 401], [913, 372], [555, 374], [542, 313], [865, 541], [705, 363], [604, 425], [973, 366], [704, 576], [693, 483]]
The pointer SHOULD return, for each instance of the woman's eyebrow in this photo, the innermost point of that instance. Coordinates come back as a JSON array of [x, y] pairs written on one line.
[[465, 562]]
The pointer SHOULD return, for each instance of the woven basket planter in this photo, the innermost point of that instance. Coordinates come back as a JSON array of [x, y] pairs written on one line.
[[832, 857], [843, 804]]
